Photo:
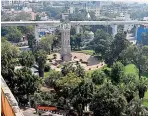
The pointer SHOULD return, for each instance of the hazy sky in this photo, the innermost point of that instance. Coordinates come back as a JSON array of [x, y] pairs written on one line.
[[144, 1], [139, 1]]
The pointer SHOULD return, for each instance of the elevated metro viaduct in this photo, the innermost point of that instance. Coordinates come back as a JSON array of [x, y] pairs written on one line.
[[65, 30]]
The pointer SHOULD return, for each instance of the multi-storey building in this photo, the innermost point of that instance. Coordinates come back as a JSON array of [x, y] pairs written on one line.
[[94, 7], [114, 8], [12, 2], [88, 6]]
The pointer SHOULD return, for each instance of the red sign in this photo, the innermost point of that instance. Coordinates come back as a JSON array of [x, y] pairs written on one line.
[[51, 108]]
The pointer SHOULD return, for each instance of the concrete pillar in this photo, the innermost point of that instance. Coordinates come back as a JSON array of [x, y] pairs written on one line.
[[125, 28], [36, 33], [136, 31], [65, 48], [114, 30], [77, 29]]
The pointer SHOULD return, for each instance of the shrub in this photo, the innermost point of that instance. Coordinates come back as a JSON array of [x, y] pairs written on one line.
[[107, 71], [54, 56], [75, 57], [47, 68], [98, 77], [81, 60], [59, 66], [50, 60]]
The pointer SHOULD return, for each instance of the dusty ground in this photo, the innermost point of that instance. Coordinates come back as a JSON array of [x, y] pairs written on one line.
[[93, 63], [29, 111]]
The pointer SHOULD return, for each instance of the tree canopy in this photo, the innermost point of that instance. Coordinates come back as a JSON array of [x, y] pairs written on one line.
[[101, 43], [9, 53], [137, 56], [46, 43], [27, 59], [109, 100], [12, 34], [40, 57]]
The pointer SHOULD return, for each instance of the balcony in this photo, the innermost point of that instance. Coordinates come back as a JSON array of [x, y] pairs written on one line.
[[9, 105]]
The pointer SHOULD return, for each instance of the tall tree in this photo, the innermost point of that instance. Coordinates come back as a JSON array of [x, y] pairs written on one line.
[[57, 41], [75, 41], [82, 96], [9, 54], [117, 72], [73, 68], [128, 87], [26, 83], [66, 84], [50, 81], [31, 41], [137, 56], [142, 86], [98, 77], [46, 43], [41, 56], [27, 59], [101, 43], [136, 108], [109, 100], [119, 44], [20, 81]]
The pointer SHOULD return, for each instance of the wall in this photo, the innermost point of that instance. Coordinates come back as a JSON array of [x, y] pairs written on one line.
[[6, 108], [141, 30], [9, 105]]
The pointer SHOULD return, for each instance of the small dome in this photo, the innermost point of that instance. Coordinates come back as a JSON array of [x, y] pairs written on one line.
[[91, 33]]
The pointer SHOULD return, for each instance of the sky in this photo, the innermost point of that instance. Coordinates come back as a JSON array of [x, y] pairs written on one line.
[[139, 1]]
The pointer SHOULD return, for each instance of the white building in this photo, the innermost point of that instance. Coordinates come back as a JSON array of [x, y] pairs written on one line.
[[12, 2], [26, 9], [71, 10], [122, 16], [145, 18], [65, 16]]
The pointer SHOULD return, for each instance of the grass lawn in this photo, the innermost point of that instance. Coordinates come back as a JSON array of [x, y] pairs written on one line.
[[145, 101], [89, 52], [131, 68]]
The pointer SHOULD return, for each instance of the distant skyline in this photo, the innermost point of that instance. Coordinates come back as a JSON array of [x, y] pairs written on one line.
[[139, 1]]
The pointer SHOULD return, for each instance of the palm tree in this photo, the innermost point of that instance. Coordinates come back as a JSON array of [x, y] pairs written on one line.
[[142, 86], [135, 108]]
